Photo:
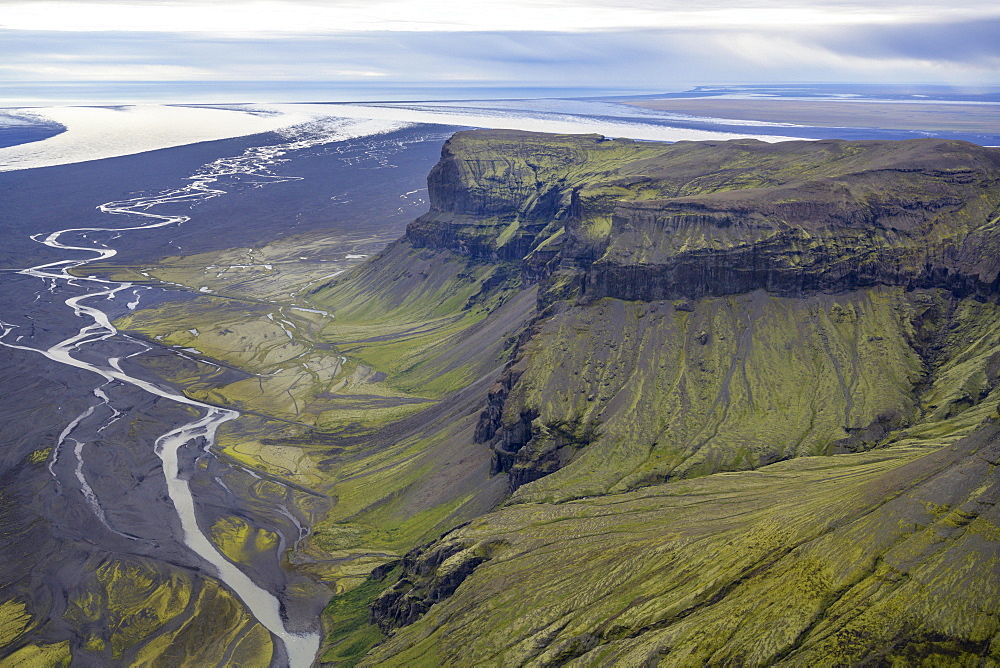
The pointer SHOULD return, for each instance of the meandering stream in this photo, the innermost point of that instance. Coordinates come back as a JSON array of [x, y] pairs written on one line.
[[88, 349]]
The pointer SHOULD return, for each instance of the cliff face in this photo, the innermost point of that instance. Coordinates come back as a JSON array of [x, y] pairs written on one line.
[[821, 257], [693, 219], [714, 320], [920, 227]]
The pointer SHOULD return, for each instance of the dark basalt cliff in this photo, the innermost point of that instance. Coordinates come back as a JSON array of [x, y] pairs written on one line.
[[589, 218], [693, 219], [751, 419]]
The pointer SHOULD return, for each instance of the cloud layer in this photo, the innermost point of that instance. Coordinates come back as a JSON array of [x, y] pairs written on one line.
[[647, 44], [270, 16]]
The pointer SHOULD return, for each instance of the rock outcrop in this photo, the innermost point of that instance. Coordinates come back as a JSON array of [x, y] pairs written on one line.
[[590, 219], [428, 577], [655, 221]]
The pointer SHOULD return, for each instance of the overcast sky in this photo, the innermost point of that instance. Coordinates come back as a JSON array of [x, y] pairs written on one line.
[[632, 43]]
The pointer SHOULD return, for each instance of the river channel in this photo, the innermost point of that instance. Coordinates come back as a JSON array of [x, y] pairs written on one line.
[[119, 444]]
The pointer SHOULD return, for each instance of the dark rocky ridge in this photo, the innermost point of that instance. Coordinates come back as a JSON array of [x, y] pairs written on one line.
[[706, 218]]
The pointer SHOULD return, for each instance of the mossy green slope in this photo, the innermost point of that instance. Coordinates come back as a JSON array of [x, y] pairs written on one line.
[[140, 613], [887, 555], [612, 395], [415, 478], [735, 383], [350, 634], [620, 384], [411, 313]]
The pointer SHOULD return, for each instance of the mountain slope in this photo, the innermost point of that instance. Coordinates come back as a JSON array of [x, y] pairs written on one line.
[[888, 556], [703, 308]]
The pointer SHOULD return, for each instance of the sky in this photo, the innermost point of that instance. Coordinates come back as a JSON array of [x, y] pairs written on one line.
[[208, 48]]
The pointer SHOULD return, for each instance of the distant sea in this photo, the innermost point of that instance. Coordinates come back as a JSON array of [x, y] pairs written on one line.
[[32, 112], [20, 94]]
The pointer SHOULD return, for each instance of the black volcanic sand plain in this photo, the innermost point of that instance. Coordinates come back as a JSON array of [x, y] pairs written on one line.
[[111, 593]]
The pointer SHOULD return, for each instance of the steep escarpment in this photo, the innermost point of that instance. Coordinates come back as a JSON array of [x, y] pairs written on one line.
[[919, 227], [752, 418], [702, 306], [653, 221], [736, 272]]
